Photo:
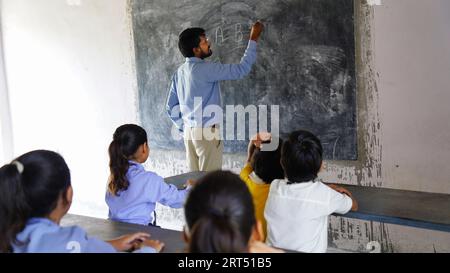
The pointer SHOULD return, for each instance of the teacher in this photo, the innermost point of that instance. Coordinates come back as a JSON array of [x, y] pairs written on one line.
[[194, 87]]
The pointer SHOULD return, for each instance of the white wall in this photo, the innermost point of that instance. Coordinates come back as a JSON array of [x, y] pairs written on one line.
[[6, 138], [70, 83], [412, 57]]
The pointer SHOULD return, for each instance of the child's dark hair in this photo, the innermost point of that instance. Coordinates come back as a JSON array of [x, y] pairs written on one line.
[[30, 187], [219, 214], [266, 164], [126, 141], [301, 157], [190, 39]]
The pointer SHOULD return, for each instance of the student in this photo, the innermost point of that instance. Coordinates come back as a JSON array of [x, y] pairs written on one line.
[[132, 191], [261, 169], [220, 217], [36, 193], [197, 80], [298, 206]]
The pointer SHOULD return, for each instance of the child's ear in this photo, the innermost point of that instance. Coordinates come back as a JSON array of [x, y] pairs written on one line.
[[281, 164], [186, 236], [258, 234], [68, 197], [196, 50], [69, 194]]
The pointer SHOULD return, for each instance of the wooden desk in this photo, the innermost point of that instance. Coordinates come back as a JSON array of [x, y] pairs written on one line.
[[106, 230], [407, 208], [180, 180]]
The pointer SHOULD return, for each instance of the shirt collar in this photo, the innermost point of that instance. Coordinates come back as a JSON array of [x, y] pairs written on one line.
[[194, 60], [134, 164], [35, 220], [255, 178]]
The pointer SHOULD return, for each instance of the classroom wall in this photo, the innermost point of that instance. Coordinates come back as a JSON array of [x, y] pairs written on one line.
[[412, 57], [403, 63], [82, 57], [6, 149], [71, 83], [403, 53]]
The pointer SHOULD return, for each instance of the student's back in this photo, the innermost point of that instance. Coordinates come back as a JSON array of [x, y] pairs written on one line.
[[137, 203], [132, 191], [261, 168], [43, 235], [220, 217], [298, 207], [298, 214], [36, 194]]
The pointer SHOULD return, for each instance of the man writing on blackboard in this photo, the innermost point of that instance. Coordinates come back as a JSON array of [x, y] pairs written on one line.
[[194, 87]]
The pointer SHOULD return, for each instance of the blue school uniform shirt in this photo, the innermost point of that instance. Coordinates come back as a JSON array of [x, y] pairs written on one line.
[[137, 203], [199, 78], [41, 235]]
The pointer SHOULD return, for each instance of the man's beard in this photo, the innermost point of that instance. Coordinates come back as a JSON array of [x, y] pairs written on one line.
[[206, 55]]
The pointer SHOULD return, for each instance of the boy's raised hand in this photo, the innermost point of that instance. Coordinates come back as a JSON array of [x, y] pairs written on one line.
[[257, 28], [256, 142], [128, 242], [259, 138]]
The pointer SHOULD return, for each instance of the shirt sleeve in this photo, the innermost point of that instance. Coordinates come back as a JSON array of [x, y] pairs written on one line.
[[80, 242], [173, 105], [339, 202], [169, 195], [246, 171], [218, 72]]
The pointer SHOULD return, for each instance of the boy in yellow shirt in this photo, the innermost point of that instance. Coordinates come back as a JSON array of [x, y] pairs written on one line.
[[261, 168]]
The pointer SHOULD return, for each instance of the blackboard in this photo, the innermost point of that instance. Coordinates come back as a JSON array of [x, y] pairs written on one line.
[[305, 64]]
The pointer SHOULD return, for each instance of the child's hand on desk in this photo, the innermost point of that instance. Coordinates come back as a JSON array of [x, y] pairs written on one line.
[[340, 189], [128, 242], [156, 244], [189, 183], [347, 192]]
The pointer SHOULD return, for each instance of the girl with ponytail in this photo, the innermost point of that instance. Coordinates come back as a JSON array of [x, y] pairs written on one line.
[[36, 193], [132, 191], [220, 217]]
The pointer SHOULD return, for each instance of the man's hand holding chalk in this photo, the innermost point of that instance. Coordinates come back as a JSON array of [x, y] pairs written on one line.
[[257, 28]]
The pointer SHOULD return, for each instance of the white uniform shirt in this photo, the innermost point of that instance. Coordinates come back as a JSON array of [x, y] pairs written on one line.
[[297, 214]]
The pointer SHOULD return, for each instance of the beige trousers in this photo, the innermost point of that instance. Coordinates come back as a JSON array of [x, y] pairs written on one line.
[[204, 148]]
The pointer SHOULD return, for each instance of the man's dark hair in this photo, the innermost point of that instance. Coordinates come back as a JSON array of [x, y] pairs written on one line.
[[190, 39], [301, 156], [266, 164]]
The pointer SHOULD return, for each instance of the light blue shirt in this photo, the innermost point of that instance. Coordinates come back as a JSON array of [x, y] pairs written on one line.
[[198, 78], [137, 203], [41, 235]]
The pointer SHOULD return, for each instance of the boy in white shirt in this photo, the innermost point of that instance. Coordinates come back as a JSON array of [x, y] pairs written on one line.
[[298, 206]]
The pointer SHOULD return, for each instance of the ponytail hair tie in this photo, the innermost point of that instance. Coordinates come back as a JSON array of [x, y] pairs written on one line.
[[19, 166]]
